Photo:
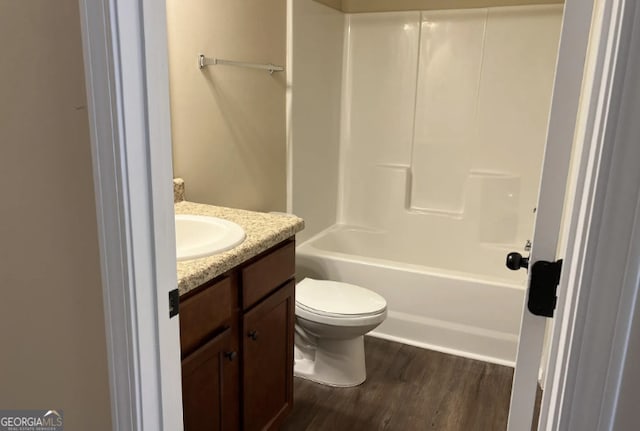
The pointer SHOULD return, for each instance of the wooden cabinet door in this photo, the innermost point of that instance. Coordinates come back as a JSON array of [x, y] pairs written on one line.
[[204, 313], [268, 360], [210, 383]]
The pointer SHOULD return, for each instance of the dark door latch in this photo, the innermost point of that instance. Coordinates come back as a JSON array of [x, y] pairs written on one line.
[[545, 277]]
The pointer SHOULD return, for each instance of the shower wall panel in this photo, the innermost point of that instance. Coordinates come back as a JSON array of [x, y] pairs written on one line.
[[451, 45], [318, 38], [444, 120], [520, 54], [380, 90]]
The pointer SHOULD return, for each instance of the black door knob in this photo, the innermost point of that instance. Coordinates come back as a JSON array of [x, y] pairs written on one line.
[[230, 355], [253, 335], [515, 261]]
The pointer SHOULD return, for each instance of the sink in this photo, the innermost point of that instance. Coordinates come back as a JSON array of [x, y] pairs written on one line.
[[200, 236]]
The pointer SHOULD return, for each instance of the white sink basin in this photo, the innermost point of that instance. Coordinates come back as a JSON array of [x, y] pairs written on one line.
[[200, 236]]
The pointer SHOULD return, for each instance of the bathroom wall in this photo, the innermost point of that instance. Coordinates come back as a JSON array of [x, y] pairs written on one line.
[[318, 35], [335, 4], [228, 123], [52, 333], [445, 121]]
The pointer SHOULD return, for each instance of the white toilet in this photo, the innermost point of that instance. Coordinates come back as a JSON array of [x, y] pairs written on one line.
[[331, 320]]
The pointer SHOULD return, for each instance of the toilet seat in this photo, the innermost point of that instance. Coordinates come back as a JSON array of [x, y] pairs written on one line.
[[339, 304], [344, 321]]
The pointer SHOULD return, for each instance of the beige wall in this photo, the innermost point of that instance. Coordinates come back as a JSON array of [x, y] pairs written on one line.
[[318, 33], [229, 141], [52, 331], [356, 6], [336, 4]]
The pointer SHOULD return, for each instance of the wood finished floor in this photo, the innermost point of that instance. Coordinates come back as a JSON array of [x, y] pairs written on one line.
[[407, 389]]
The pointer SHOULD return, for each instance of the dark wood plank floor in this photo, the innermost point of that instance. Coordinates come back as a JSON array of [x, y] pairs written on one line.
[[408, 388]]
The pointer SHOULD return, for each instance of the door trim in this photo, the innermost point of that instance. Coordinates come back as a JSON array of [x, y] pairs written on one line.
[[591, 333]]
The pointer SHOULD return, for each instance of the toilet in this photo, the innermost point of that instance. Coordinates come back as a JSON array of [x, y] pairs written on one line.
[[331, 320]]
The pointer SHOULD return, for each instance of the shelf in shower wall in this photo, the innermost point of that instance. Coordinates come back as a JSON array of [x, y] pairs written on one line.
[[490, 204]]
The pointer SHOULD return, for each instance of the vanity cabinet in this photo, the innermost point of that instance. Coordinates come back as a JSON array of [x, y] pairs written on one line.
[[268, 360], [210, 386], [236, 336]]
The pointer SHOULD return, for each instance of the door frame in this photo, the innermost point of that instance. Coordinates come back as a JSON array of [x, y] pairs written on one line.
[[127, 92], [126, 72], [592, 328]]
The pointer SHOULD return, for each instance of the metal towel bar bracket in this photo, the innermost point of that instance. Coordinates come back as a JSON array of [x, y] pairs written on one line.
[[205, 61]]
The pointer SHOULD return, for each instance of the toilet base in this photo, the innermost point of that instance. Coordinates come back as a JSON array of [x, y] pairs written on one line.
[[338, 363]]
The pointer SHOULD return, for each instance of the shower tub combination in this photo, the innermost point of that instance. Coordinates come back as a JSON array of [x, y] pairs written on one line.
[[429, 175], [440, 298]]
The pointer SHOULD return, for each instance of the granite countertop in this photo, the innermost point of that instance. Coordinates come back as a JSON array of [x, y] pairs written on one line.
[[263, 232]]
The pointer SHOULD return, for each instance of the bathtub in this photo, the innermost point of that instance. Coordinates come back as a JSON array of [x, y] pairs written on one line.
[[462, 302]]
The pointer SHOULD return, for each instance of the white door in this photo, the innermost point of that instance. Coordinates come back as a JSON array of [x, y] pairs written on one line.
[[555, 168]]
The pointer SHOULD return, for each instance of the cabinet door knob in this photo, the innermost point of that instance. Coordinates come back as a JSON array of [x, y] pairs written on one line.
[[253, 335], [230, 355]]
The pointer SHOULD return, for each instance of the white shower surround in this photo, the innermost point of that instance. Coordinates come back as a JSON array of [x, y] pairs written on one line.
[[443, 123]]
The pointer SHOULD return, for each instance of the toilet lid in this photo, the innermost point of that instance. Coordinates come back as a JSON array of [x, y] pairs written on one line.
[[333, 297]]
